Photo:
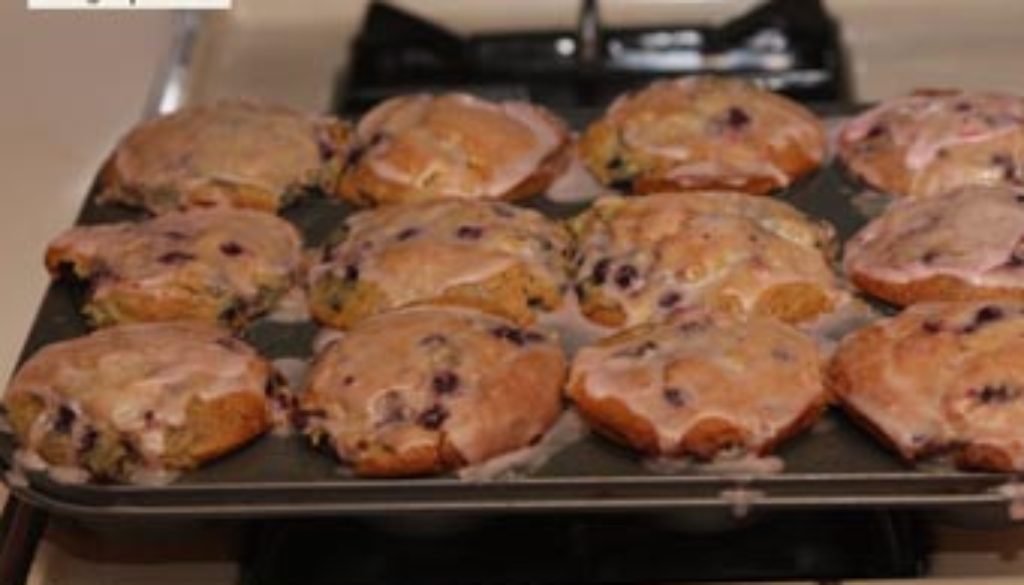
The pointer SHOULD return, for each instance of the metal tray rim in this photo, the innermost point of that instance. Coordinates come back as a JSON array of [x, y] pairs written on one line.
[[903, 488]]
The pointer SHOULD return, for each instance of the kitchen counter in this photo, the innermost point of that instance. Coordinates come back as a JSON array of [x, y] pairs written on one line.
[[76, 81]]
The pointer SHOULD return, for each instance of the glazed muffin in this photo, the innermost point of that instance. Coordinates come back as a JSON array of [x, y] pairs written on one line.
[[214, 265], [485, 254], [703, 133], [964, 244], [640, 259], [940, 377], [454, 145], [140, 399], [426, 389], [930, 142], [233, 153], [700, 384]]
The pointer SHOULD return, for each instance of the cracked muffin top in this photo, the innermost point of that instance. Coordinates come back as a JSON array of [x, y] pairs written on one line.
[[453, 145], [703, 133], [933, 141], [425, 389], [641, 258], [964, 244], [234, 153], [140, 398], [701, 383], [940, 377], [225, 265], [488, 254]]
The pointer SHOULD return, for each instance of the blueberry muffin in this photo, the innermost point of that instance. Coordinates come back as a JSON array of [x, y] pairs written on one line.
[[642, 258], [232, 153], [930, 142], [134, 400], [961, 245], [485, 254], [703, 133], [453, 145], [426, 389], [214, 265], [940, 377], [700, 384]]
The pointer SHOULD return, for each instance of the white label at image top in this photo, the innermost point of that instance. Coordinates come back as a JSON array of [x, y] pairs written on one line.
[[129, 4]]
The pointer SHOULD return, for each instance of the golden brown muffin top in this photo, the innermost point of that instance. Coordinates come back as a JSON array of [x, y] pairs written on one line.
[[230, 250], [972, 233], [939, 375], [659, 253], [758, 374], [715, 127], [930, 142], [139, 378], [457, 145], [413, 376], [415, 251], [237, 143]]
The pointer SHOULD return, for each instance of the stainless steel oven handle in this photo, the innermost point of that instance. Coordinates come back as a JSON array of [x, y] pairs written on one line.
[[169, 89], [588, 32]]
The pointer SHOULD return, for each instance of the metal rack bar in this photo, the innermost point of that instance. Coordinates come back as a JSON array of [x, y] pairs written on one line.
[[21, 528]]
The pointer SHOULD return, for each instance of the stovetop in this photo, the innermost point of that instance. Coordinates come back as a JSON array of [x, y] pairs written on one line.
[[789, 46], [592, 549]]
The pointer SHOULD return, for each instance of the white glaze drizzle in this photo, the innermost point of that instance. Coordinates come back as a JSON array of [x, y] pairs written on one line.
[[742, 499], [325, 337], [1014, 494], [741, 464], [849, 315], [153, 477], [16, 478], [574, 330], [26, 461], [833, 127], [575, 185], [870, 203], [294, 370], [569, 429], [293, 307]]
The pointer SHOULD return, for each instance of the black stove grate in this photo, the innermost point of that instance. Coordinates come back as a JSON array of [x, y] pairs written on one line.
[[591, 550], [790, 46]]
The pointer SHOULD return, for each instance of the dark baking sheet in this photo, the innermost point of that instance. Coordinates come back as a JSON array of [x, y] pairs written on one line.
[[835, 466]]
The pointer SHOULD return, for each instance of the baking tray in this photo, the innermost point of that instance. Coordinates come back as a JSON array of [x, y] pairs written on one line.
[[834, 466]]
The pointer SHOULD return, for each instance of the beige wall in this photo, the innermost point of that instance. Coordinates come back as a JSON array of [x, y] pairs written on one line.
[[71, 83]]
